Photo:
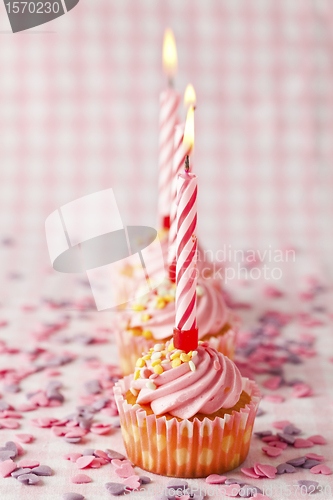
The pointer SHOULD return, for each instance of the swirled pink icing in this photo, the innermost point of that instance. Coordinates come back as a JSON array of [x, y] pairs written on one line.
[[212, 313], [216, 383]]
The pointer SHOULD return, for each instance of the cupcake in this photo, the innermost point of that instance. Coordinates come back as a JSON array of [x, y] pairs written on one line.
[[151, 320], [186, 414]]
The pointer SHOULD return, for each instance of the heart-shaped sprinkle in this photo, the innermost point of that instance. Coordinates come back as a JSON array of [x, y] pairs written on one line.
[[274, 398], [125, 471], [248, 490], [233, 480], [76, 432], [266, 469], [271, 451], [301, 391], [231, 490], [285, 468], [6, 455], [310, 463], [18, 472], [317, 439], [302, 443], [297, 462], [114, 454], [24, 438], [132, 482], [291, 429], [177, 484], [310, 486], [321, 469], [11, 446], [279, 444], [80, 479], [144, 479], [72, 456], [250, 472], [287, 438], [28, 479], [7, 467], [43, 470], [280, 424], [26, 462], [269, 439], [215, 479], [83, 462], [314, 456], [262, 434], [72, 496], [115, 488], [96, 463]]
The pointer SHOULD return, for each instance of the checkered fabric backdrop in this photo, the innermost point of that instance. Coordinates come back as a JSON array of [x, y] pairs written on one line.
[[79, 113]]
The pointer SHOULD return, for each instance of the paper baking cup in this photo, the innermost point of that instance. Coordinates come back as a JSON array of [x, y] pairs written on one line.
[[131, 347], [184, 448]]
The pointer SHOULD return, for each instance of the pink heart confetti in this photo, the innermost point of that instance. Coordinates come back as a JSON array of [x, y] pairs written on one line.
[[319, 469], [20, 450], [132, 482], [249, 471], [279, 444], [271, 451], [81, 479], [274, 398], [28, 462], [230, 490], [7, 467], [317, 439], [272, 383], [125, 471], [9, 423], [281, 424], [301, 391], [100, 430], [215, 479], [84, 461], [303, 443], [269, 439], [268, 470], [314, 456], [72, 456], [24, 438]]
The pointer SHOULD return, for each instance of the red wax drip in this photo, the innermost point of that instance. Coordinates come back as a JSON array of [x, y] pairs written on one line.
[[172, 272], [187, 340]]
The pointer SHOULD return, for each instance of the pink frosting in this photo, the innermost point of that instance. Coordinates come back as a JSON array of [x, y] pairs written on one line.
[[212, 313], [216, 383]]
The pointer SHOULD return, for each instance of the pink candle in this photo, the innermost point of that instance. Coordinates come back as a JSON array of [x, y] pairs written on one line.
[[169, 102]]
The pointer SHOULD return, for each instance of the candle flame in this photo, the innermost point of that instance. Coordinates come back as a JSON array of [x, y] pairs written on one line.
[[190, 98], [170, 59], [189, 129]]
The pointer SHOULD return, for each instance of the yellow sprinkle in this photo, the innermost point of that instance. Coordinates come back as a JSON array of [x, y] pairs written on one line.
[[147, 356], [138, 307], [140, 363], [163, 353], [160, 304], [136, 374], [145, 317], [135, 331], [185, 357], [156, 362], [171, 346], [169, 298], [147, 334], [158, 369], [190, 353], [176, 354], [176, 362], [151, 349]]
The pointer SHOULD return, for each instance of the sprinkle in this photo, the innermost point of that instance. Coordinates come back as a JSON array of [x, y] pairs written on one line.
[[138, 307], [42, 470], [147, 334], [140, 363], [145, 317], [302, 443], [249, 471], [28, 463], [194, 353], [158, 370], [317, 439], [28, 479], [321, 469], [185, 357], [156, 355], [165, 361], [310, 486], [85, 461], [285, 468], [158, 347], [192, 366], [176, 362], [137, 374], [72, 496], [7, 467], [176, 354], [171, 346], [146, 357], [156, 362], [215, 479], [160, 304], [115, 489], [314, 456], [80, 479], [150, 385], [134, 391]]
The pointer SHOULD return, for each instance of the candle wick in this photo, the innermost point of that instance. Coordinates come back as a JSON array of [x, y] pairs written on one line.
[[187, 163], [170, 82]]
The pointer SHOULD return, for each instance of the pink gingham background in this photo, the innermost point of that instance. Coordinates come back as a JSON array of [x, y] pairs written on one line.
[[79, 113]]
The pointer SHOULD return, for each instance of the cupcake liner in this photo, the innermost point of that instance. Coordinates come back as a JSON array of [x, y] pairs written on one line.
[[184, 448], [131, 347]]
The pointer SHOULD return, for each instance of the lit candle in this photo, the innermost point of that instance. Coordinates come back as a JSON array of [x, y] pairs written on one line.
[[169, 102], [186, 332], [181, 150]]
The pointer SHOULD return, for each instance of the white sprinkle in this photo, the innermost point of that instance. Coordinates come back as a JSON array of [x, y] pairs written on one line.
[[192, 366], [136, 406], [200, 342], [194, 353], [156, 355], [150, 385], [134, 391], [158, 347], [200, 291], [165, 361]]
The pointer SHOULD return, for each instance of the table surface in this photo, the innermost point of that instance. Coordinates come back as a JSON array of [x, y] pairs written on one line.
[[312, 414]]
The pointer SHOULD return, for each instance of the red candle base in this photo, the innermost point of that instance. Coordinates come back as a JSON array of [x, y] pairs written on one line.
[[187, 340], [166, 222]]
